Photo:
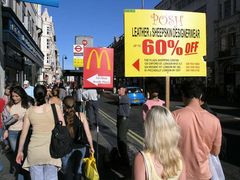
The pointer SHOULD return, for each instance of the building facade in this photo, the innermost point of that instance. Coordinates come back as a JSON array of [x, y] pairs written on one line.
[[51, 70], [22, 29], [223, 40]]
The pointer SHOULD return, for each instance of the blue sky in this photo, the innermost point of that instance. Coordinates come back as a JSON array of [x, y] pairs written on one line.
[[100, 19]]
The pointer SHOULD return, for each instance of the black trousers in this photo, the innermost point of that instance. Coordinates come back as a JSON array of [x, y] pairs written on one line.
[[92, 112], [122, 129]]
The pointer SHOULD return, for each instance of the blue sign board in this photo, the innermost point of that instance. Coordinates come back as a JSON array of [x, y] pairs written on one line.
[[44, 2]]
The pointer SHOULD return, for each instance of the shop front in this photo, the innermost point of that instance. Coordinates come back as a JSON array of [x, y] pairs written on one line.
[[23, 59]]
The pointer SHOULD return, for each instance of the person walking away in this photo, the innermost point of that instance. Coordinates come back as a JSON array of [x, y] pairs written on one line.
[[161, 157], [200, 131], [17, 108], [153, 101], [28, 88], [78, 127], [62, 91], [91, 97], [54, 99], [38, 160], [204, 105], [80, 104], [123, 112]]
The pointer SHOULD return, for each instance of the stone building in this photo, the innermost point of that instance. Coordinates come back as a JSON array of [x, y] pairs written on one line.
[[49, 48], [21, 32]]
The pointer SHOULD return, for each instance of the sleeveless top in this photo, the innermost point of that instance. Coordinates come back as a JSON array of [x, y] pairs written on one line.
[[151, 173], [38, 149]]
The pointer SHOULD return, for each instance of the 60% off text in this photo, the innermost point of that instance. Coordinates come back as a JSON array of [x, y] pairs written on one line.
[[161, 46]]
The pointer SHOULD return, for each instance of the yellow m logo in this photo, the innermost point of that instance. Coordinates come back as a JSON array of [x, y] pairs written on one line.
[[98, 58]]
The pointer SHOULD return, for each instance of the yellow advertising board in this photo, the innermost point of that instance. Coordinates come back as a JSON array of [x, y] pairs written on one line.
[[78, 61], [164, 43]]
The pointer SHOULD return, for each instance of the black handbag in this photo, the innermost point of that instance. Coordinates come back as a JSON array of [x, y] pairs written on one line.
[[61, 141]]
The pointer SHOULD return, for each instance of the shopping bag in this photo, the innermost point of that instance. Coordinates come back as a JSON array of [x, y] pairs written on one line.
[[90, 168], [216, 168]]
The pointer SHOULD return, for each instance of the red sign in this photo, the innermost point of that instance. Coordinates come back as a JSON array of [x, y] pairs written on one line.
[[98, 68], [84, 42], [78, 48]]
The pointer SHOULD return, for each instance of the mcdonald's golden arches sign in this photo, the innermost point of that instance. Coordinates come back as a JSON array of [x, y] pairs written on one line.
[[98, 68]]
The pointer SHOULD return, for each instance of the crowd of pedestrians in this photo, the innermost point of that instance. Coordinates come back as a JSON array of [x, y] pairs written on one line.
[[177, 145], [26, 124]]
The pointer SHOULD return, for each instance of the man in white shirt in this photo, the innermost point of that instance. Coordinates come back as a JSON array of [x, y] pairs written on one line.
[[28, 88], [91, 98]]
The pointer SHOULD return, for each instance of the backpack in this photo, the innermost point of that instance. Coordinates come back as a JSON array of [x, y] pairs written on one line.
[[61, 141]]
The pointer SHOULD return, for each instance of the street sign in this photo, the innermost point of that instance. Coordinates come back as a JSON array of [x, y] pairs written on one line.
[[78, 49], [98, 68], [84, 42], [78, 61], [164, 43]]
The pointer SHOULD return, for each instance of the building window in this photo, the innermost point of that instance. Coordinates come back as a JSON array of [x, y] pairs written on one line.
[[48, 43], [227, 8], [232, 39], [223, 43], [23, 11], [32, 30], [48, 30], [234, 6], [220, 11], [29, 23], [48, 58], [179, 5]]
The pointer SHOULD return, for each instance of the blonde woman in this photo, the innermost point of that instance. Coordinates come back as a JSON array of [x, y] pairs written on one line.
[[161, 158]]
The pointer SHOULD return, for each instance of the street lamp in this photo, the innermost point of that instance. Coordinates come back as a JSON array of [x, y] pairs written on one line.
[[64, 57]]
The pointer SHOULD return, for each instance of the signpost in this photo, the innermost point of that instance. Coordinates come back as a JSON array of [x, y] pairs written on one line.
[[162, 43], [78, 51], [98, 68]]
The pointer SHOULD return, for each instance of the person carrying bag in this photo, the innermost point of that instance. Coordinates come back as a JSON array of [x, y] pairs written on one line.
[[78, 128], [61, 142]]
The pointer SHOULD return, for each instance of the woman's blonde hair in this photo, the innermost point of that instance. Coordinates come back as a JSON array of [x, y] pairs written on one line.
[[161, 139]]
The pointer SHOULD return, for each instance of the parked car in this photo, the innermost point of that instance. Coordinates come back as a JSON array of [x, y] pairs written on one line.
[[135, 95]]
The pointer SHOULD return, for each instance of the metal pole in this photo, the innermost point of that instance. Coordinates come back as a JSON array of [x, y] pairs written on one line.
[[63, 62], [168, 92], [142, 4]]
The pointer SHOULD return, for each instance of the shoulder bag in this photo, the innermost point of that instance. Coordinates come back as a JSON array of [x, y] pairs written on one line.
[[61, 142]]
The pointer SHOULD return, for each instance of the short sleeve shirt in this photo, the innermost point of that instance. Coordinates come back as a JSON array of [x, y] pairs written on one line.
[[200, 131]]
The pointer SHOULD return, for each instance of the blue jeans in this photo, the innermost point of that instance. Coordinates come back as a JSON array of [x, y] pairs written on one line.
[[13, 137], [67, 161], [43, 172]]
